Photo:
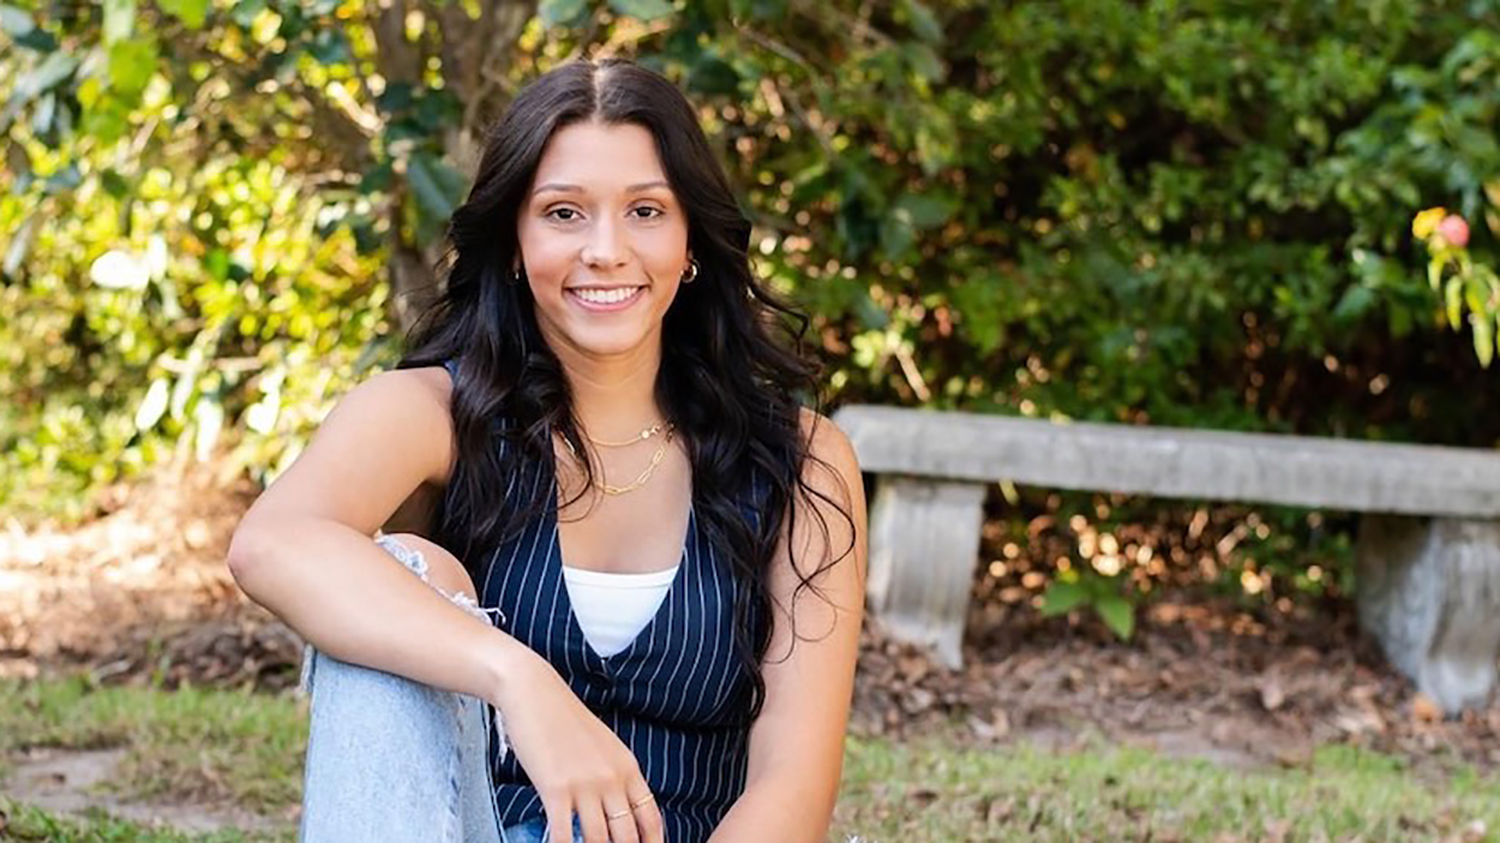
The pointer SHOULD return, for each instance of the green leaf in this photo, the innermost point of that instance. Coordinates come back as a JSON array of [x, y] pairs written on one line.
[[209, 416], [107, 120], [646, 10], [896, 234], [871, 315], [330, 46], [16, 22], [20, 246], [39, 40], [714, 76], [1354, 303], [44, 77], [131, 64], [561, 12], [923, 22], [437, 186], [1453, 298], [46, 111], [1117, 614], [936, 138], [1062, 597], [244, 12], [119, 20], [924, 61], [925, 210], [377, 178], [66, 178], [1484, 338], [153, 406], [191, 12], [113, 183]]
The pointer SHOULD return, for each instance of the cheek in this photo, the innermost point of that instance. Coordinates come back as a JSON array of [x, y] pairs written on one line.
[[665, 250], [547, 255]]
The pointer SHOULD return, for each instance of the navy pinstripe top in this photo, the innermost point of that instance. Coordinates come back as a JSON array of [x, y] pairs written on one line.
[[676, 696]]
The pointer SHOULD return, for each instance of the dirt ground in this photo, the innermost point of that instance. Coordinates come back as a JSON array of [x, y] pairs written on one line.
[[141, 595]]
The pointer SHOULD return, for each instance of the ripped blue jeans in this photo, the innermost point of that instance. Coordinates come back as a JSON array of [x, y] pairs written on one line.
[[393, 760]]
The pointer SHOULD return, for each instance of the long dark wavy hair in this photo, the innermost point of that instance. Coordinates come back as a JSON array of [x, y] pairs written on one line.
[[732, 363]]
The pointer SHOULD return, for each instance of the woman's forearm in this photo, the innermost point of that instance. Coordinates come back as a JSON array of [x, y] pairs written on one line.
[[351, 599], [766, 811]]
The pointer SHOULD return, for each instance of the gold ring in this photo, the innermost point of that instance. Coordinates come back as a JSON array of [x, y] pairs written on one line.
[[617, 816], [642, 801]]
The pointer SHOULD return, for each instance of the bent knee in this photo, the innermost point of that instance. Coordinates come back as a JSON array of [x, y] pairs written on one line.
[[443, 568]]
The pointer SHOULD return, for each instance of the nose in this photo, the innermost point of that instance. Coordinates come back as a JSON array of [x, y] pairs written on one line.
[[605, 246]]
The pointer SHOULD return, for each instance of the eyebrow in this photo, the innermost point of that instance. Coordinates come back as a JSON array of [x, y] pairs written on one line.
[[560, 187]]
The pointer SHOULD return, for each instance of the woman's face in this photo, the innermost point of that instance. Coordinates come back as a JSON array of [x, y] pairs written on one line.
[[603, 240]]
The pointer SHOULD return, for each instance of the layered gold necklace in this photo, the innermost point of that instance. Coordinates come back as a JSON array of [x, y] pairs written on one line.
[[645, 475]]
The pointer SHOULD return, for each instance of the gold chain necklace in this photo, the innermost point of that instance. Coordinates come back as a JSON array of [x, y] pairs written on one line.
[[641, 479], [640, 437]]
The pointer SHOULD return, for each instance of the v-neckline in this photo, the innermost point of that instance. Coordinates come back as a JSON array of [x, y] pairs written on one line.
[[556, 562]]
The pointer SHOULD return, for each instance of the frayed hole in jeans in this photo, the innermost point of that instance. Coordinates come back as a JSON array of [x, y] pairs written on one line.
[[417, 564]]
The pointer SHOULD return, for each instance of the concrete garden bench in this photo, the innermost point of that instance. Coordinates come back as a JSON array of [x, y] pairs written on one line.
[[1427, 552]]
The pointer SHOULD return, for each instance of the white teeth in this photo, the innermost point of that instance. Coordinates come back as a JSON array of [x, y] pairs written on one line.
[[613, 296]]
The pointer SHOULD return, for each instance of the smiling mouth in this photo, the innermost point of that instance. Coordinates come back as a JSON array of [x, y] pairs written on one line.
[[606, 297]]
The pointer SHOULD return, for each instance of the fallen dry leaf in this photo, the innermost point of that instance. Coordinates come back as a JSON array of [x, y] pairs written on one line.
[[1425, 709]]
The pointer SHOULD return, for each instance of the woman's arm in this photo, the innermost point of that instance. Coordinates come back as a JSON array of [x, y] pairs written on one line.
[[305, 552], [797, 743]]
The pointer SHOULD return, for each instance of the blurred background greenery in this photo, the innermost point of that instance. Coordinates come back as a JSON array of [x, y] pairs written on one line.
[[217, 216]]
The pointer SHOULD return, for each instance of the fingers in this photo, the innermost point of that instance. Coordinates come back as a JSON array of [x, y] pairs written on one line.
[[591, 820], [559, 818], [647, 815], [621, 819]]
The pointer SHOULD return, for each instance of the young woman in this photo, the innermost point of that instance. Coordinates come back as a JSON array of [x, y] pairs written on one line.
[[636, 552]]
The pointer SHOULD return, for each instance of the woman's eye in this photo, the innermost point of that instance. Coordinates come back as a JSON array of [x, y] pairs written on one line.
[[647, 212], [563, 214]]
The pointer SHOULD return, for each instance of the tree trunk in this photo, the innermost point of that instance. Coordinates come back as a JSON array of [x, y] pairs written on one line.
[[476, 57]]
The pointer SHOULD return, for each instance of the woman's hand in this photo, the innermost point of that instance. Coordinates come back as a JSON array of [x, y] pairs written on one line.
[[577, 764]]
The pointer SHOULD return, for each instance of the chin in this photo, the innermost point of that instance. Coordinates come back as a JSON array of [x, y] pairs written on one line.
[[609, 342]]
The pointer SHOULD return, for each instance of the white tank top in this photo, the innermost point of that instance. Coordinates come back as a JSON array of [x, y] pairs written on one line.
[[612, 609]]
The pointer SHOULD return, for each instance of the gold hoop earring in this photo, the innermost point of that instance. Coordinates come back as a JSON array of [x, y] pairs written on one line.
[[692, 273]]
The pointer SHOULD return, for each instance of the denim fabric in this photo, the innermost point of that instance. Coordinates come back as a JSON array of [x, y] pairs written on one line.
[[536, 832], [393, 760]]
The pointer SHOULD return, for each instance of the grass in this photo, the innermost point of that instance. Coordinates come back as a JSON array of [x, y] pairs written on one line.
[[245, 749], [26, 823], [933, 790], [190, 744]]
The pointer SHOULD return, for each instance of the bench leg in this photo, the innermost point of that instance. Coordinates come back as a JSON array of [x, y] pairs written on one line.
[[1429, 591], [924, 543]]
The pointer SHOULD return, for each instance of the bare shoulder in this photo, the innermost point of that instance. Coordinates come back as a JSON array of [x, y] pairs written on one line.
[[412, 402], [409, 407], [835, 500], [828, 445], [831, 471], [384, 441]]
